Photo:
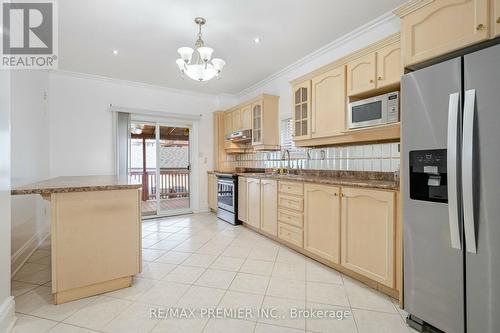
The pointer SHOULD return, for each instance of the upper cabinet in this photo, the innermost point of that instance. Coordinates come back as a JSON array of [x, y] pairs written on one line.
[[246, 117], [301, 113], [257, 123], [265, 123], [433, 28], [228, 123], [361, 74], [236, 120], [328, 103], [389, 68]]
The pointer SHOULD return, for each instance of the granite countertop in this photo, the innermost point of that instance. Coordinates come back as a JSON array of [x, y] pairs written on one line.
[[76, 184]]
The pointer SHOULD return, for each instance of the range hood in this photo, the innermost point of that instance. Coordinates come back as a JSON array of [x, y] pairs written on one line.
[[242, 136]]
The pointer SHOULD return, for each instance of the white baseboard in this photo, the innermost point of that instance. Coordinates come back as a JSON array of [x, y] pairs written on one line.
[[204, 209], [7, 315], [19, 258]]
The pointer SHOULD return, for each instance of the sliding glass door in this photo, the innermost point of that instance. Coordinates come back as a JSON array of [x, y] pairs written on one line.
[[160, 160]]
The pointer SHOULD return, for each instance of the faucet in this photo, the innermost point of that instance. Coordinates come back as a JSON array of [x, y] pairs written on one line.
[[287, 152]]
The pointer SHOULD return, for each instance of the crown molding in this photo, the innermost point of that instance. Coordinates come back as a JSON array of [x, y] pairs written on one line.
[[325, 49], [128, 83], [410, 7]]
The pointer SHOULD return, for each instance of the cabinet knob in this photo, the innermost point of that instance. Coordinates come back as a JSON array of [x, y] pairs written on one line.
[[480, 27], [498, 20], [371, 81], [335, 194], [380, 78]]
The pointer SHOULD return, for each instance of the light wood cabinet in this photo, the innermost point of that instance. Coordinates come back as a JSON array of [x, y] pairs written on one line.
[[290, 234], [496, 17], [228, 123], [253, 202], [246, 117], [242, 199], [389, 68], [257, 120], [269, 206], [322, 221], [361, 74], [368, 233], [265, 123], [328, 103], [302, 110], [236, 120], [212, 191], [433, 28]]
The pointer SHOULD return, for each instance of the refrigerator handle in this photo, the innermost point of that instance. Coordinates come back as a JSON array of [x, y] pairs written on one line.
[[453, 112], [467, 169]]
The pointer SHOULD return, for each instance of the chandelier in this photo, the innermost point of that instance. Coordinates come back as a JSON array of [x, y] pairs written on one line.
[[197, 65]]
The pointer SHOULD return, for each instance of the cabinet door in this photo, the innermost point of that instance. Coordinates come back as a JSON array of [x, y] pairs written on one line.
[[246, 117], [242, 199], [368, 222], [361, 75], [496, 17], [269, 206], [322, 221], [443, 26], [253, 201], [257, 120], [236, 120], [328, 103], [389, 69], [302, 111], [228, 124], [210, 189]]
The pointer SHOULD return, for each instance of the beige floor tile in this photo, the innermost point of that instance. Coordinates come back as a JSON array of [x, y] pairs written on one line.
[[212, 249], [151, 254], [191, 325], [267, 253], [199, 260], [40, 257], [379, 322], [228, 325], [179, 236], [250, 283], [318, 272], [173, 257], [289, 256], [201, 297], [166, 244], [30, 324], [290, 270], [65, 328], [18, 288], [335, 319], [98, 313], [237, 252], [282, 312], [214, 278], [259, 267], [146, 243], [165, 293], [33, 273], [265, 328], [364, 297], [325, 293], [184, 274], [228, 263], [155, 270], [157, 235], [139, 287], [237, 300], [188, 246], [134, 319], [280, 287]]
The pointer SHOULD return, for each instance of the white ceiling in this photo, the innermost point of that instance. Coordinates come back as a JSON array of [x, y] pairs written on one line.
[[148, 33]]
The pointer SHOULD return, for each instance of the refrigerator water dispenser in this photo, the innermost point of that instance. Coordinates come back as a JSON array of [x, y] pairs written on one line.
[[428, 175]]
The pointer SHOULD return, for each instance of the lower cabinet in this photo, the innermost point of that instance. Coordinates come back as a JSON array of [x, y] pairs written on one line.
[[322, 221], [368, 232], [242, 199], [212, 191], [269, 206], [253, 202], [290, 234]]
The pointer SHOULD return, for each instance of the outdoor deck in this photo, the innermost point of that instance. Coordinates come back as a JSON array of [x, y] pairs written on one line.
[[149, 207]]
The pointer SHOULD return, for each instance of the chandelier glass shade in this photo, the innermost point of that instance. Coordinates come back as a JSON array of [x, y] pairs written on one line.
[[197, 63]]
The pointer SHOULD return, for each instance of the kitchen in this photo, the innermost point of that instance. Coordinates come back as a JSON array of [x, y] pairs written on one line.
[[357, 178]]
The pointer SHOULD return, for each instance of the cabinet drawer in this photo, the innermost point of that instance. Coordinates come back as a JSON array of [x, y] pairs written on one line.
[[290, 234], [295, 219], [291, 188], [290, 202]]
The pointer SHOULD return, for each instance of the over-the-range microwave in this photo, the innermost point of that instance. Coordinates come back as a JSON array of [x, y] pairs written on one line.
[[378, 110]]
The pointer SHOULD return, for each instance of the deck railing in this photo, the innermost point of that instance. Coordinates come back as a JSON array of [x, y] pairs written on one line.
[[174, 183]]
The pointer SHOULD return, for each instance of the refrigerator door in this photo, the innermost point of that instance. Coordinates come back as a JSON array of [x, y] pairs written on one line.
[[482, 74], [433, 268]]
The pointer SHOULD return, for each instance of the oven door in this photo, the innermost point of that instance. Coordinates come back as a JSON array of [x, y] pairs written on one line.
[[225, 194], [369, 112]]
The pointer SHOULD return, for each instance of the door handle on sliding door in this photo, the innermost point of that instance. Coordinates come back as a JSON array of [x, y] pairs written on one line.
[[467, 170], [453, 112]]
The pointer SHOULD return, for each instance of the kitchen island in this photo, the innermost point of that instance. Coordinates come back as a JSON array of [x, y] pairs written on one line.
[[95, 233]]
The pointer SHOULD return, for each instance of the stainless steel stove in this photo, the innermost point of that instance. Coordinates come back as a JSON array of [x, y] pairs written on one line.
[[227, 197]]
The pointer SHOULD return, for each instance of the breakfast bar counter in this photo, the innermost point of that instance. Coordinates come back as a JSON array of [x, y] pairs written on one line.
[[95, 232]]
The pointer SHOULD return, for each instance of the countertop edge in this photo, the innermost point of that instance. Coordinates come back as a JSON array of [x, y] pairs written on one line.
[[92, 188]]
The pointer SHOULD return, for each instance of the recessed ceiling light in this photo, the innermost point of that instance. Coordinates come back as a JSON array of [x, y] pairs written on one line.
[[115, 52], [256, 40]]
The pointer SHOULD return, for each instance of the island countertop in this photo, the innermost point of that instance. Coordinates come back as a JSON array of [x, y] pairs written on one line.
[[77, 184]]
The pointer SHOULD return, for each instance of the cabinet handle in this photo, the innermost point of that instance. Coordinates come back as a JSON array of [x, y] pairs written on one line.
[[380, 78], [498, 20], [480, 27], [335, 194], [371, 81]]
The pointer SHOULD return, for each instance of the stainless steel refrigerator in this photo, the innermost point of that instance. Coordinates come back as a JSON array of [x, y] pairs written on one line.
[[450, 147]]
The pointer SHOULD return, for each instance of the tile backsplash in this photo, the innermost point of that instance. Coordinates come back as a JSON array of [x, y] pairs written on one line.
[[373, 157]]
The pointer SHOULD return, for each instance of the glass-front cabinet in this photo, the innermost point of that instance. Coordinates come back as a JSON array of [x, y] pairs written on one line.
[[257, 121], [302, 111]]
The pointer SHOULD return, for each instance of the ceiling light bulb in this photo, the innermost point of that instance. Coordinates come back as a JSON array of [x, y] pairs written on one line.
[[115, 52], [256, 40]]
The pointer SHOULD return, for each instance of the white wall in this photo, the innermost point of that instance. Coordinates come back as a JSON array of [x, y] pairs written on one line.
[[279, 83], [7, 317], [81, 140], [30, 161]]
